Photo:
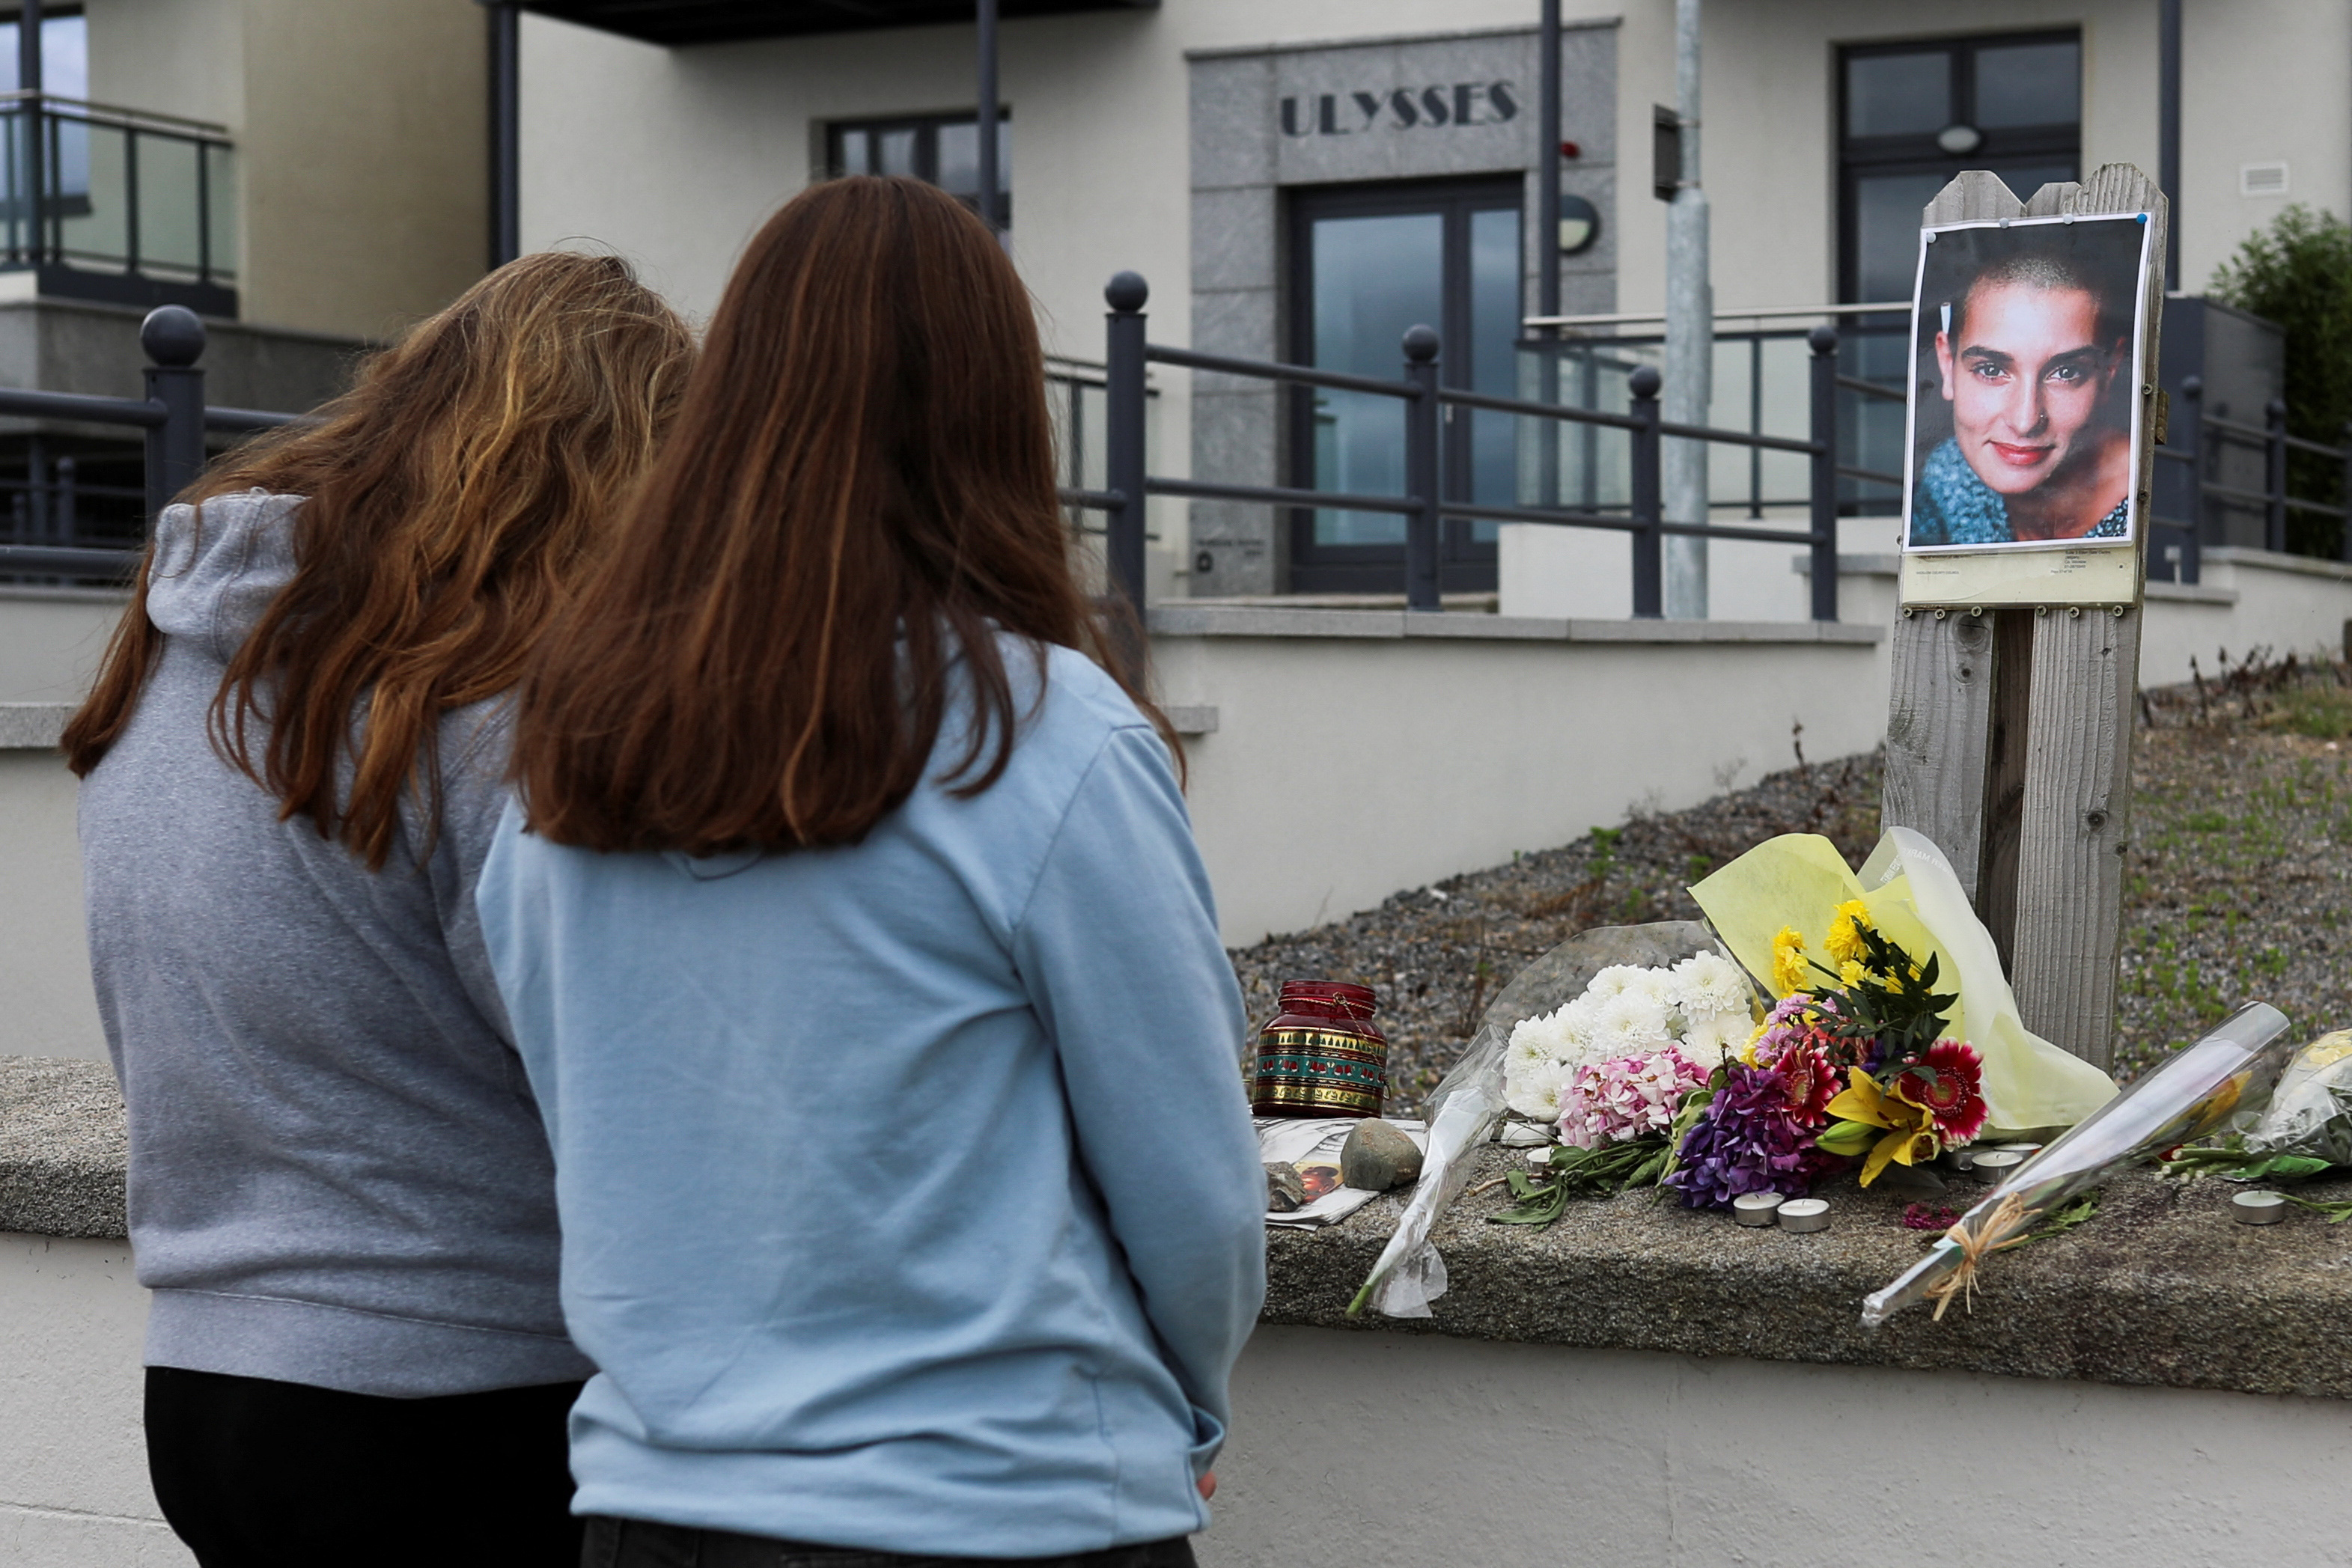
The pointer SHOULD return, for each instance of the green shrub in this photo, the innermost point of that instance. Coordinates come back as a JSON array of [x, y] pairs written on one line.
[[2298, 273]]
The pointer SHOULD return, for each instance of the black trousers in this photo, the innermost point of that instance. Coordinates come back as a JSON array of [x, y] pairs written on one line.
[[257, 1474], [636, 1543]]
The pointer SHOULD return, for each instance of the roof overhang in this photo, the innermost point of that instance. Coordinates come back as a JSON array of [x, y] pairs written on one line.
[[678, 22]]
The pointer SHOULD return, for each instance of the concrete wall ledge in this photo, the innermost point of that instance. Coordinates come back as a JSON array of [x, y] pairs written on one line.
[[64, 1148], [1256, 620], [2272, 560], [2160, 1287], [32, 727], [2193, 592]]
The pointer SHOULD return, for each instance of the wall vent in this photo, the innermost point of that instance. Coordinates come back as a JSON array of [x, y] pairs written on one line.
[[2262, 179]]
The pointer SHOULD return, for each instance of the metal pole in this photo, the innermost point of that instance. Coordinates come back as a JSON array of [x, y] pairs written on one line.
[[1548, 117], [175, 341], [2275, 475], [505, 131], [29, 80], [991, 209], [2167, 130], [1649, 555], [1823, 341], [1548, 157], [1422, 418], [1123, 433], [1690, 335]]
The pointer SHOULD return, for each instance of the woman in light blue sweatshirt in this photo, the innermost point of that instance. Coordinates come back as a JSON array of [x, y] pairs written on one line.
[[861, 961]]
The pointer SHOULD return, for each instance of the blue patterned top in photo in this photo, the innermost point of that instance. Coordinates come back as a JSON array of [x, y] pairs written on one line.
[[1952, 505]]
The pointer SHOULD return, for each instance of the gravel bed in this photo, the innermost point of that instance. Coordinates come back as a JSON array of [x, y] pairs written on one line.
[[2240, 885]]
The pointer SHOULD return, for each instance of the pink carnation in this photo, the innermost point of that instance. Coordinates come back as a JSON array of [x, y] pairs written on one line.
[[1609, 1102]]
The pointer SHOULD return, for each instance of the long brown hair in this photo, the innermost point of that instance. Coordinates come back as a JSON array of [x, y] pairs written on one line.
[[453, 496], [858, 497]]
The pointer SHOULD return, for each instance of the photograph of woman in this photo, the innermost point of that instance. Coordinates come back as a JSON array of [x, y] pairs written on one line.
[[2021, 414]]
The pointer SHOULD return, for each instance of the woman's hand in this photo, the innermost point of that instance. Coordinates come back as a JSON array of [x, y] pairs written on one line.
[[1208, 1485]]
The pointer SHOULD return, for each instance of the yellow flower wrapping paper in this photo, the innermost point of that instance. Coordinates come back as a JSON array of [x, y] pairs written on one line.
[[1797, 882]]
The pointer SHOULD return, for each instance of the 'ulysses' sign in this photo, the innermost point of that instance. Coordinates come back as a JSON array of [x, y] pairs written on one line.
[[1401, 108]]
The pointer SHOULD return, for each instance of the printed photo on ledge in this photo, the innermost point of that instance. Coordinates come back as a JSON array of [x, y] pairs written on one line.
[[2024, 340]]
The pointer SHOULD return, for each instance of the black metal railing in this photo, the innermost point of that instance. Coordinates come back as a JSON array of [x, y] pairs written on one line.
[[2190, 501], [175, 420], [1424, 504], [1584, 362], [115, 203]]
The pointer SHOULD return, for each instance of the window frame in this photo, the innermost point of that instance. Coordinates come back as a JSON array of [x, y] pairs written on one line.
[[926, 129], [1916, 152]]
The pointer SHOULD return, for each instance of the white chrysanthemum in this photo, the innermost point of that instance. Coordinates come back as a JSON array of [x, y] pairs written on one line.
[[1709, 983], [1614, 980], [1533, 1091], [1630, 1024], [1533, 1041], [1707, 1038], [1659, 985]]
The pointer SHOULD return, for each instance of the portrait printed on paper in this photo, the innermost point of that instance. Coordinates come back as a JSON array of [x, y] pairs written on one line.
[[2024, 388]]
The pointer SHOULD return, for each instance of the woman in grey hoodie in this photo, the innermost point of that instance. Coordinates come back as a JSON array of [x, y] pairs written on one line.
[[292, 763]]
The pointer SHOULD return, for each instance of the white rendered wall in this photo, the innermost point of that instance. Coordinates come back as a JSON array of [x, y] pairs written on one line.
[[51, 641], [2285, 604], [73, 1461], [1342, 771], [1366, 1447], [45, 964]]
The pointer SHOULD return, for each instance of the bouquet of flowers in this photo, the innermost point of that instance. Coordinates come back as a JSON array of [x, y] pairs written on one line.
[[1864, 1054], [1851, 1063]]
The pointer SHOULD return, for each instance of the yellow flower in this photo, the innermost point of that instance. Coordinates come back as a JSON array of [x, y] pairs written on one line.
[[1790, 971], [1845, 929], [1747, 1053], [1851, 972], [1910, 1132]]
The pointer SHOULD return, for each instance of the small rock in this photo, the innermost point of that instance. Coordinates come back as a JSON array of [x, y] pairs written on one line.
[[1285, 1189], [1377, 1156]]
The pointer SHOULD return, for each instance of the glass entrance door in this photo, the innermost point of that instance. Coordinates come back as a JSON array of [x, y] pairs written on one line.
[[1368, 262]]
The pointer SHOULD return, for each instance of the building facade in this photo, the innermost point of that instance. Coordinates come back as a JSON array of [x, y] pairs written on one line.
[[1301, 179]]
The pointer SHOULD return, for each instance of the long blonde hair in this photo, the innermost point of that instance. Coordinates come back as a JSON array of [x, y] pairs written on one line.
[[452, 497]]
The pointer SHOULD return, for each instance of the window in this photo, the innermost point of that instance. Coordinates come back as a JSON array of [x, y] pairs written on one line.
[[1368, 262], [943, 149], [1914, 115], [64, 55]]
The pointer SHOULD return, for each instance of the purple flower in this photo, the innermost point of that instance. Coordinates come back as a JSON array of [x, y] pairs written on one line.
[[1748, 1141]]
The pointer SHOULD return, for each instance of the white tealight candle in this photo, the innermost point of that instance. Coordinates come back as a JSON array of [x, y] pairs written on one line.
[[2259, 1208], [1755, 1207], [1994, 1164], [1805, 1214]]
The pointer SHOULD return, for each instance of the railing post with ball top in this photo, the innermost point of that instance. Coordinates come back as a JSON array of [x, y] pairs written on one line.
[[1649, 536], [1423, 525], [173, 340]]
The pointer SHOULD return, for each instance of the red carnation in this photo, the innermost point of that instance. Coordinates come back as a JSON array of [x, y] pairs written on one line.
[[1949, 1086]]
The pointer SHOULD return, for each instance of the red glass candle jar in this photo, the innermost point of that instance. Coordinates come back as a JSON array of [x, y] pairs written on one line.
[[1322, 1055]]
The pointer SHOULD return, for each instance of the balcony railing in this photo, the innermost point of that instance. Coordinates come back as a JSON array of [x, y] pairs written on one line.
[[126, 206], [1762, 384]]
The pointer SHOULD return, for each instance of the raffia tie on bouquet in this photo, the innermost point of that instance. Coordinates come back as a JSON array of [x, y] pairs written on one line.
[[1975, 1247]]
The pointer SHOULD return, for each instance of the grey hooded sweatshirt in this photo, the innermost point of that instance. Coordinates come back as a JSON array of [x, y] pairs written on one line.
[[338, 1175]]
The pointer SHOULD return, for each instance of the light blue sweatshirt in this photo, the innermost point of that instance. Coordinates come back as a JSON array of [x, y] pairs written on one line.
[[909, 1199]]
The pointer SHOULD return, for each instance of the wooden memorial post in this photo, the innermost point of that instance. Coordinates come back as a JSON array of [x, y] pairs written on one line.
[[2009, 736]]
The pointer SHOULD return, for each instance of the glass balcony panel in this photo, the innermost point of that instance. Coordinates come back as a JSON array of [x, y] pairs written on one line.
[[88, 199], [170, 216]]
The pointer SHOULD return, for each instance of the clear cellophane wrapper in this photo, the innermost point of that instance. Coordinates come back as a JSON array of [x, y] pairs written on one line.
[[1464, 1110], [2228, 1073]]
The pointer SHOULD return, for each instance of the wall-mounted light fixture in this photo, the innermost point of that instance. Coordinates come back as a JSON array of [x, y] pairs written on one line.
[[1580, 224]]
